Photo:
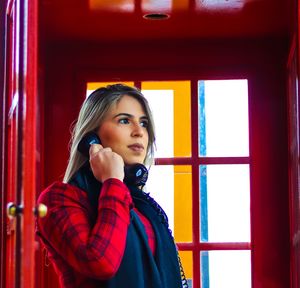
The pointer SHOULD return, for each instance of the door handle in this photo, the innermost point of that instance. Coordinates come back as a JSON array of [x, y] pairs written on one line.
[[40, 210], [12, 210]]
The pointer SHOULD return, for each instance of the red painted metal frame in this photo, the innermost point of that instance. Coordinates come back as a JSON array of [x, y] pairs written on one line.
[[10, 136], [29, 142], [3, 142], [18, 267], [214, 246], [293, 68], [293, 163], [293, 138], [185, 22], [202, 160], [195, 184], [2, 136]]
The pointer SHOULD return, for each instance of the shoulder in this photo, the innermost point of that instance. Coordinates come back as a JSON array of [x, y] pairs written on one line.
[[59, 193]]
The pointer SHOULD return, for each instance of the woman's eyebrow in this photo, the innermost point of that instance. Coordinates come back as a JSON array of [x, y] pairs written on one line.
[[123, 114], [130, 116]]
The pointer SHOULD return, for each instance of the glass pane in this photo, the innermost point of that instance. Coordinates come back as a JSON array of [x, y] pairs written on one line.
[[186, 258], [171, 187], [156, 5], [163, 119], [112, 5], [223, 118], [225, 269], [171, 107], [213, 5], [225, 203]]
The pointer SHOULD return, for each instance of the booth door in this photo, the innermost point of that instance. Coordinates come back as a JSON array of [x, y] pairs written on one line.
[[19, 134]]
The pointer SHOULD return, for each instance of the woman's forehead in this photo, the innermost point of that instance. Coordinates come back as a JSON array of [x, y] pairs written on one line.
[[127, 104]]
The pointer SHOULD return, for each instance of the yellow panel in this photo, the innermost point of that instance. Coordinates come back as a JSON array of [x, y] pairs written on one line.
[[182, 113], [96, 85], [183, 203], [180, 5], [186, 258], [115, 5]]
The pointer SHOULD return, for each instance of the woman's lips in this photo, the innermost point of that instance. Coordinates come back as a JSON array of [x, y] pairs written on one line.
[[136, 147]]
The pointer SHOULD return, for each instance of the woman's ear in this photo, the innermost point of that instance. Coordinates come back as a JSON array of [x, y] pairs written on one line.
[[86, 141]]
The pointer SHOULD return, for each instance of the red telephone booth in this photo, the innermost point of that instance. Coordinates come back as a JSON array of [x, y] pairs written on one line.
[[54, 51]]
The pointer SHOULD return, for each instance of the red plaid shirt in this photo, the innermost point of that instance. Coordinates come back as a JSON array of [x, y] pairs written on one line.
[[80, 250]]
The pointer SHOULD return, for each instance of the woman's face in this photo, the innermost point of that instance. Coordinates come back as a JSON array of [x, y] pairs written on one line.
[[124, 130]]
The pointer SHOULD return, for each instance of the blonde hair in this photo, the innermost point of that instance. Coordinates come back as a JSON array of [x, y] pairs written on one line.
[[91, 115]]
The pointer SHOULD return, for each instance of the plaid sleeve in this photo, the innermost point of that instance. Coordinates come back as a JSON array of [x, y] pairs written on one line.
[[96, 251]]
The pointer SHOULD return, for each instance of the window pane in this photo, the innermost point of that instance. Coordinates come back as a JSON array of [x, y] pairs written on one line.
[[171, 187], [186, 258], [112, 5], [162, 105], [171, 106], [223, 118], [156, 5], [225, 269], [225, 203], [216, 5]]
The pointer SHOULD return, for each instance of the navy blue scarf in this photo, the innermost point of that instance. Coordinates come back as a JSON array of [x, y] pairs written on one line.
[[139, 267]]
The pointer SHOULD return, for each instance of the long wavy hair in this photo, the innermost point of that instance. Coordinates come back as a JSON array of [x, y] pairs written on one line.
[[91, 115]]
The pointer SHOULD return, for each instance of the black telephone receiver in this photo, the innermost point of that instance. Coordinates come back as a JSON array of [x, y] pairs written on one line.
[[135, 174]]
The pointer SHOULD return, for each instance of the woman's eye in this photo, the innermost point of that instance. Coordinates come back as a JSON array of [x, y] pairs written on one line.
[[123, 121], [144, 124]]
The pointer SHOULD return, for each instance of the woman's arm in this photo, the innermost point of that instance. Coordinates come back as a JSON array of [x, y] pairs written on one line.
[[94, 251]]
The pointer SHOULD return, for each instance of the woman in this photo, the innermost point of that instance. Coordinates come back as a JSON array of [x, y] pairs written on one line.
[[101, 230]]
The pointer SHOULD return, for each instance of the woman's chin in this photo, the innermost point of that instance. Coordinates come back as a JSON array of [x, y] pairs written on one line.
[[133, 161]]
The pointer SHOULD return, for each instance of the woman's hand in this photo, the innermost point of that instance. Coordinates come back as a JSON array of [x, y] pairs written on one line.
[[105, 163]]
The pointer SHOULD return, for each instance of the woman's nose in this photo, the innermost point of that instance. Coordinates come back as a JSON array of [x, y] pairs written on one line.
[[137, 130]]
